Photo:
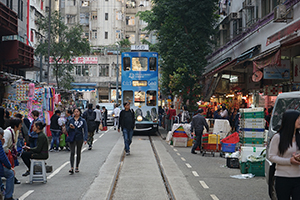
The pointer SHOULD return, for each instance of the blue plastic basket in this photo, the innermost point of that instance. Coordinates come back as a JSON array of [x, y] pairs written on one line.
[[228, 147]]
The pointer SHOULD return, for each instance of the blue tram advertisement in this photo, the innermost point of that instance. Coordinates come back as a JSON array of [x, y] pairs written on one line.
[[140, 88]]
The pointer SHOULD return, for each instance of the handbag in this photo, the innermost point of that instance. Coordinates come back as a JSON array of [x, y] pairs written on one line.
[[71, 136], [100, 127]]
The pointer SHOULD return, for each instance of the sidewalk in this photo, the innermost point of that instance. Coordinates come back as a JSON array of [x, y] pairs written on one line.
[[140, 176]]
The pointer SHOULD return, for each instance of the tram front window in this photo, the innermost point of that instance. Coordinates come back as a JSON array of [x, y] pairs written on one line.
[[139, 98], [139, 64]]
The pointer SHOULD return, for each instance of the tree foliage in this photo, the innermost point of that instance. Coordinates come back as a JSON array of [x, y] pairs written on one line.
[[183, 29], [65, 44]]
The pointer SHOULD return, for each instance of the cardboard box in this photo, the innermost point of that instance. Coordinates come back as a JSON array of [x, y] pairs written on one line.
[[180, 141]]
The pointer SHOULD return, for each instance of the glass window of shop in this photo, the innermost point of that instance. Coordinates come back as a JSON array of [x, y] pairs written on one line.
[[128, 97], [139, 98], [103, 70]]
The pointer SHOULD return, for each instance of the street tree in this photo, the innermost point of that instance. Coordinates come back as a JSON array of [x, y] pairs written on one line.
[[184, 29], [65, 44]]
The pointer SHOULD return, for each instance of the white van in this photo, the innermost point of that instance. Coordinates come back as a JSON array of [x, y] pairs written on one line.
[[284, 101]]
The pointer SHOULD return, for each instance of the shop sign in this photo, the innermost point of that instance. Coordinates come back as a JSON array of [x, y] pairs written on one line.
[[296, 70], [77, 60], [278, 72], [272, 90]]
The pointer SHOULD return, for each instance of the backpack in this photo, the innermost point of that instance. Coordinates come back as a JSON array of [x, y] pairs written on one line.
[[90, 120]]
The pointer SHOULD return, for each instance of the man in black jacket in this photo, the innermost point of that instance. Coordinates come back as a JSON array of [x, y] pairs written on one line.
[[197, 124], [90, 116], [126, 122], [55, 130]]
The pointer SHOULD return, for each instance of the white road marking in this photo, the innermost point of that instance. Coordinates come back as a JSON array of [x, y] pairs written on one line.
[[95, 141], [24, 196], [203, 184], [182, 158], [178, 154], [175, 149], [57, 170], [82, 150], [172, 146], [188, 165], [195, 173], [101, 135], [214, 197]]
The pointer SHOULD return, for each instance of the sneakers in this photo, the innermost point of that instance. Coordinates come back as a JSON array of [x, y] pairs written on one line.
[[193, 152], [127, 153], [26, 173], [51, 150], [90, 148]]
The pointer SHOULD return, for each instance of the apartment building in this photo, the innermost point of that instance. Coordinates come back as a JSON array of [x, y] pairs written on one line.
[[257, 51], [104, 23]]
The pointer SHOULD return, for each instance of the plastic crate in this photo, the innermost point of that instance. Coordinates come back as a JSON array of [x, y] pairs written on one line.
[[253, 129], [253, 134], [179, 141], [233, 138], [228, 147], [253, 114], [211, 147], [244, 167], [212, 139], [257, 109], [205, 138], [179, 134], [253, 140], [232, 163], [257, 168]]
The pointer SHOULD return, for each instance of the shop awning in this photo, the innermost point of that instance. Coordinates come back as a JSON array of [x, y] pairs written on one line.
[[84, 84], [222, 62], [248, 54], [268, 59], [220, 68], [83, 89]]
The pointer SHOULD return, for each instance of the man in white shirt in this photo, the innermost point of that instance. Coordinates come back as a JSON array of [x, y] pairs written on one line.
[[116, 116], [98, 117]]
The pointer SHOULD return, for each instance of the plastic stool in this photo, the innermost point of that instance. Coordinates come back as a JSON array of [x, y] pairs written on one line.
[[38, 176]]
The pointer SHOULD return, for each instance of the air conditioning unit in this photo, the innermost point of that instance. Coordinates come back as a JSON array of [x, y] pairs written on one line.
[[222, 27], [248, 3], [280, 13], [234, 16]]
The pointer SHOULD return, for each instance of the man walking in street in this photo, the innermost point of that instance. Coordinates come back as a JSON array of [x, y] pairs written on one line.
[[90, 117], [116, 116], [98, 117], [55, 131], [126, 122], [197, 124]]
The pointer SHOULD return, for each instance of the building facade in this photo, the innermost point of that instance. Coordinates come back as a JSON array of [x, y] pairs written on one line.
[[257, 52]]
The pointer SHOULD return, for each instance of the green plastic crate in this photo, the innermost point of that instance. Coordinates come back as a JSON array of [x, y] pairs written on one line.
[[247, 140], [257, 168], [253, 115], [244, 167]]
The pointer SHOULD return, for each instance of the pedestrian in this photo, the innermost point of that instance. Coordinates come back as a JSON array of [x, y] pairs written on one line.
[[6, 170], [171, 114], [90, 117], [55, 131], [268, 118], [198, 121], [237, 118], [40, 151], [21, 135], [217, 114], [78, 128], [209, 113], [104, 118], [185, 116], [31, 134], [2, 120], [98, 117], [160, 115], [10, 140], [126, 122], [116, 116], [6, 119], [283, 147], [224, 112], [69, 115]]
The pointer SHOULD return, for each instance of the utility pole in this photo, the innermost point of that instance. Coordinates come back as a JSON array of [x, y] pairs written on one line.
[[49, 29], [117, 84]]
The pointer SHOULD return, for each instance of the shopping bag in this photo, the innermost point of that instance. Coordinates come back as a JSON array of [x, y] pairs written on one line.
[[62, 140], [100, 127]]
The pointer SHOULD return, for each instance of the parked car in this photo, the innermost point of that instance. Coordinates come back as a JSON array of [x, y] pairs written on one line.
[[285, 101], [110, 111]]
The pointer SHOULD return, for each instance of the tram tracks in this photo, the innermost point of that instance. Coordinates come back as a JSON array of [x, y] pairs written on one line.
[[164, 178]]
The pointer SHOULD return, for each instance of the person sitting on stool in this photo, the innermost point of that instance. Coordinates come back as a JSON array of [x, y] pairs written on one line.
[[38, 152], [197, 124]]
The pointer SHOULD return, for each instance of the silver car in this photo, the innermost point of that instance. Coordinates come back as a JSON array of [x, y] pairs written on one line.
[[110, 111]]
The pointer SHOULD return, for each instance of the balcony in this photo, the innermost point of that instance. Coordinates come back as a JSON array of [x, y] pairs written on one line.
[[130, 28], [15, 53], [8, 21]]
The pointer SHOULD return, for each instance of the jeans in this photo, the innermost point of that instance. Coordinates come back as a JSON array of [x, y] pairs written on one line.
[[160, 119], [127, 134], [32, 142], [55, 139], [97, 123], [10, 178], [116, 122]]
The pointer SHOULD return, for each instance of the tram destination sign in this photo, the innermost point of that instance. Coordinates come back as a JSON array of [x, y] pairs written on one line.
[[139, 47]]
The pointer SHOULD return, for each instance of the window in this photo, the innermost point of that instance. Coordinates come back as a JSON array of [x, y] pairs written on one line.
[[130, 20], [21, 11], [85, 70], [19, 8], [94, 15], [103, 70], [85, 3], [128, 97], [265, 7], [31, 35], [152, 64], [126, 63], [106, 16], [94, 34], [119, 16], [70, 19], [9, 3], [78, 70], [106, 35], [139, 64], [151, 98], [139, 98]]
